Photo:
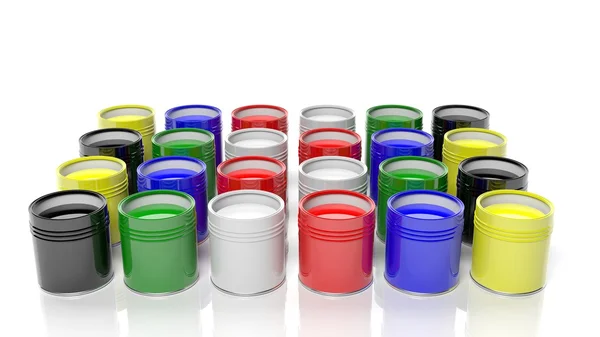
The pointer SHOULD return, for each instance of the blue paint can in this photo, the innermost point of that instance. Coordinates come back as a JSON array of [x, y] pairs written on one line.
[[184, 174], [423, 242]]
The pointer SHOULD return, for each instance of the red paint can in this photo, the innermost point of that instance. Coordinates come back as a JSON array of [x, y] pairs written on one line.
[[329, 142], [260, 116], [336, 229], [252, 173]]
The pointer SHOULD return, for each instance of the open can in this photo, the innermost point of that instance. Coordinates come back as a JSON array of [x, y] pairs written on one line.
[[327, 116], [332, 173]]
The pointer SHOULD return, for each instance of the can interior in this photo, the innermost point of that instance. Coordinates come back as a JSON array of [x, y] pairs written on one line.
[[426, 206], [110, 138], [343, 136], [245, 205], [470, 113], [126, 112], [169, 164], [515, 205], [182, 135], [328, 113], [195, 111], [395, 112], [260, 112], [414, 164], [91, 164], [337, 206], [330, 167], [494, 169], [407, 135], [132, 204], [61, 206], [255, 137], [230, 167], [476, 135]]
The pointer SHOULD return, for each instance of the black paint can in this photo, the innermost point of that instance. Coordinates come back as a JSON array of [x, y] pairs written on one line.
[[450, 117]]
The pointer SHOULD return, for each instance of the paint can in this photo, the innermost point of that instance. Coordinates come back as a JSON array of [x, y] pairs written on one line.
[[189, 142], [184, 174], [260, 116], [478, 175], [399, 174], [464, 143], [125, 144], [423, 242], [71, 242], [247, 246], [158, 229], [136, 117], [329, 142], [105, 175], [335, 238], [332, 173], [450, 117], [396, 142], [327, 116], [257, 142], [205, 117], [511, 241]]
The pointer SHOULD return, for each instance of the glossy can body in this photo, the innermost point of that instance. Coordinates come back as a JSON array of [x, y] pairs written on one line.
[[327, 116], [205, 117], [423, 242], [335, 237], [407, 173], [260, 116], [71, 242], [329, 142], [136, 117], [511, 241], [396, 142], [184, 174], [189, 142], [158, 228], [332, 173], [105, 175], [450, 117], [257, 142]]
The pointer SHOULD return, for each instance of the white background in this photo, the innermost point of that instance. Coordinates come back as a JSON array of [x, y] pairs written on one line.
[[533, 65]]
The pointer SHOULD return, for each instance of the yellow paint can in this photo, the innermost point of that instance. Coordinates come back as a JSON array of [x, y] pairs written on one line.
[[460, 144], [105, 175], [511, 241], [135, 117]]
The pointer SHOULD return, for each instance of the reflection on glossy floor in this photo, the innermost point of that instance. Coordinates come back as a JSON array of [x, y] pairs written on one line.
[[292, 310]]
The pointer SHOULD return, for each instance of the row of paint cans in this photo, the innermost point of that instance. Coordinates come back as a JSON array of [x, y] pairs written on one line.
[[329, 142], [450, 117], [135, 117], [396, 142], [332, 173], [183, 174], [260, 116], [257, 142], [327, 116]]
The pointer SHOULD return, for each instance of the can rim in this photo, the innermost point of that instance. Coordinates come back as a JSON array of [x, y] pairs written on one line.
[[62, 193], [426, 192], [441, 108], [394, 106], [244, 158], [126, 200], [83, 140], [463, 171], [375, 135], [170, 112], [66, 164], [319, 130], [144, 165], [443, 166], [357, 163], [276, 212], [146, 121], [348, 117], [234, 113], [236, 133], [156, 137], [306, 198], [527, 194], [448, 141]]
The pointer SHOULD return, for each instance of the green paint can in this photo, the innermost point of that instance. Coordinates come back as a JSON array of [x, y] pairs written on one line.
[[189, 142], [406, 173], [390, 116], [158, 241]]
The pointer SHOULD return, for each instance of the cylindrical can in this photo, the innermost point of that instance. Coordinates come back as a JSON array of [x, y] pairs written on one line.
[[203, 117], [329, 142], [105, 175], [257, 142], [396, 142], [136, 117], [478, 175], [390, 116], [158, 229], [183, 174], [335, 238], [189, 142], [71, 242], [125, 144], [511, 241], [260, 116], [247, 247], [450, 117], [464, 143], [407, 173], [327, 116], [332, 173], [423, 241]]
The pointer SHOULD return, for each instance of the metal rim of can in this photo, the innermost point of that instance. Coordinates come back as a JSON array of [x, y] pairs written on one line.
[[169, 162], [277, 150], [310, 183], [107, 186], [204, 136], [145, 124], [481, 116], [214, 122], [348, 120], [518, 169], [306, 145], [422, 163], [451, 150], [254, 162], [373, 113], [129, 141], [279, 123], [420, 136]]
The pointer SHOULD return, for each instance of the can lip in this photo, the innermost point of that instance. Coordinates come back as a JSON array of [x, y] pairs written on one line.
[[165, 136], [185, 200], [468, 110], [530, 199], [347, 114], [221, 169], [475, 134], [464, 169], [429, 163], [374, 112], [39, 205], [410, 134], [113, 163], [457, 210], [232, 139], [325, 162], [233, 197], [161, 163], [269, 110], [196, 109], [329, 133], [138, 110], [302, 204], [129, 138]]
